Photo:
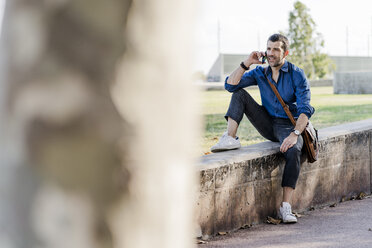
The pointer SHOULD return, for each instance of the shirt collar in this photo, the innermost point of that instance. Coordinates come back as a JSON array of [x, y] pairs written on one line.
[[283, 68]]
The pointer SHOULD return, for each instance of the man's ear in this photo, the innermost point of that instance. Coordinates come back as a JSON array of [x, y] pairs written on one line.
[[286, 53]]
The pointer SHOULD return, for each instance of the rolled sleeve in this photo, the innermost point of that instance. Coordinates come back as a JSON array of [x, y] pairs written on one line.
[[247, 79], [303, 95]]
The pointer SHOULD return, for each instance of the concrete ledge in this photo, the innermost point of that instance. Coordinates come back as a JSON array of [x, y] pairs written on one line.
[[243, 186]]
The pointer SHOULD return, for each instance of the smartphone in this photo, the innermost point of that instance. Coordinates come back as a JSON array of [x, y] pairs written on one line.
[[264, 58]]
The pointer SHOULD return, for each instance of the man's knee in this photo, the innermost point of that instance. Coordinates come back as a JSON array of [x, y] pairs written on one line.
[[294, 152], [240, 93], [242, 96]]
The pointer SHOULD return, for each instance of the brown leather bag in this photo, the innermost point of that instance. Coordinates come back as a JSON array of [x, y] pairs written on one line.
[[309, 135]]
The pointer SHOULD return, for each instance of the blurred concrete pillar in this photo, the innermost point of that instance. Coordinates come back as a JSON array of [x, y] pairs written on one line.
[[155, 96], [80, 169]]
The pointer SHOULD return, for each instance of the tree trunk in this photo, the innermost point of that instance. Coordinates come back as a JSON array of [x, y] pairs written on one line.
[[98, 124]]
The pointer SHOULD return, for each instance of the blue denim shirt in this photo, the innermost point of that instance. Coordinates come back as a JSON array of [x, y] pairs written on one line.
[[292, 86]]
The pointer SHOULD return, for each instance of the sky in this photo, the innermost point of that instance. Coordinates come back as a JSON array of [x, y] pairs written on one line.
[[245, 26]]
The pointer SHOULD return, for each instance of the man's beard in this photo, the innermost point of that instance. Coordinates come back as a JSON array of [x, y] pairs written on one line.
[[276, 62]]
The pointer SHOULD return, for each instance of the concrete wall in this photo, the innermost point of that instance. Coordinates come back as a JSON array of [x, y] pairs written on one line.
[[224, 65], [214, 74], [352, 63], [227, 63], [353, 83], [243, 186]]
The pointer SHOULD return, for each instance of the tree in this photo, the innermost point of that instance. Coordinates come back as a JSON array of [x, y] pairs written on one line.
[[306, 44]]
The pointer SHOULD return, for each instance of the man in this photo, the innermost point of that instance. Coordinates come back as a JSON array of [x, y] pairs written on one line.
[[270, 119]]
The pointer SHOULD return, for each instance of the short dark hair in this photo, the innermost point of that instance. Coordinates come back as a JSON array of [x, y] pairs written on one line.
[[282, 38]]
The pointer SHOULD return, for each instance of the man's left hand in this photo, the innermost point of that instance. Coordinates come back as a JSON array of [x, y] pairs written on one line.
[[288, 142]]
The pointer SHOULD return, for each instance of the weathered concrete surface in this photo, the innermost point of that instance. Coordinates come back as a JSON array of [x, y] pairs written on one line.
[[346, 225], [352, 83], [243, 186]]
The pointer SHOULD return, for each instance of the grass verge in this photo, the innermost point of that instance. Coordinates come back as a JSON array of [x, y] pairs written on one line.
[[330, 110]]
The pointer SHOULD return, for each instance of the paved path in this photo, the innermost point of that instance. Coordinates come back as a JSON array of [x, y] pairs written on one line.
[[349, 224]]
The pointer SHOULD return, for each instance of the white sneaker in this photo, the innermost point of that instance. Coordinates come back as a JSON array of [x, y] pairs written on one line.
[[285, 213], [226, 142]]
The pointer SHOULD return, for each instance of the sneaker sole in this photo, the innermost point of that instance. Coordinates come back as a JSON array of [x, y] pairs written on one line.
[[224, 149], [286, 222], [290, 222]]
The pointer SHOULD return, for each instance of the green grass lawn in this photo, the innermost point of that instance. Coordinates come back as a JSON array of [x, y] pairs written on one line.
[[330, 110]]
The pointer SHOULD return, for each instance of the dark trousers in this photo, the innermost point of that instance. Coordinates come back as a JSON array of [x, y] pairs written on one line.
[[274, 129]]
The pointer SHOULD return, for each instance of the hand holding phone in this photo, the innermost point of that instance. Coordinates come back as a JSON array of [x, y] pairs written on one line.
[[264, 58]]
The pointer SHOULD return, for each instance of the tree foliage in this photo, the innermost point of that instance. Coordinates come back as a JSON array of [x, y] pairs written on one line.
[[306, 44]]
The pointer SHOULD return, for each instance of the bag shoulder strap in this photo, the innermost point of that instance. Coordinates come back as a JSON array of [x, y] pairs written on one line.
[[285, 106]]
